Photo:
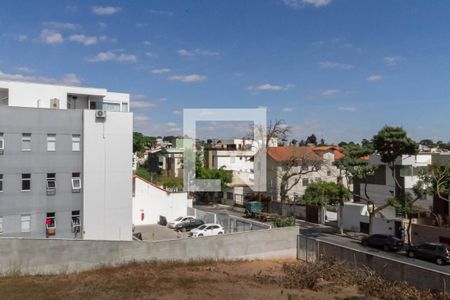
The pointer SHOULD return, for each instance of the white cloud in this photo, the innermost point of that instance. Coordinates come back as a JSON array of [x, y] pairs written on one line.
[[25, 70], [348, 108], [83, 39], [147, 43], [184, 52], [102, 25], [374, 77], [270, 87], [111, 56], [335, 65], [188, 78], [297, 4], [330, 92], [51, 37], [140, 122], [60, 25], [198, 51], [171, 124], [151, 54], [105, 10], [176, 112], [161, 71], [140, 101], [393, 60], [287, 109], [68, 79], [21, 37]]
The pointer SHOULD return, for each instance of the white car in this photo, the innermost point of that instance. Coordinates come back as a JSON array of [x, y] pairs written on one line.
[[207, 230], [178, 220]]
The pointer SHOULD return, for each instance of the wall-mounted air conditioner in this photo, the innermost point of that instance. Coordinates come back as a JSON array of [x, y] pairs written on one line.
[[54, 103], [101, 114]]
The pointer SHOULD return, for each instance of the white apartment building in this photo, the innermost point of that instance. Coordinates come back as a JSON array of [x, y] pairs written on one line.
[[65, 162]]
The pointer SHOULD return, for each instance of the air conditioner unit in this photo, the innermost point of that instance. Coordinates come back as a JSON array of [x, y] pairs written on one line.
[[100, 114], [54, 103]]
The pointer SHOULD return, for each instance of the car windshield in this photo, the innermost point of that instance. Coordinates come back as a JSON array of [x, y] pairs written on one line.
[[178, 219], [202, 227]]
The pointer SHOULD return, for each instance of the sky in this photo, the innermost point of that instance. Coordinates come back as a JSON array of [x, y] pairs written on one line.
[[341, 69]]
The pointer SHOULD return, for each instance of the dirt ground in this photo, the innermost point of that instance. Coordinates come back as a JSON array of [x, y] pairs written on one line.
[[197, 280]]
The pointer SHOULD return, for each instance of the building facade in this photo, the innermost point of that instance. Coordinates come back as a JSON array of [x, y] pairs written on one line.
[[65, 162]]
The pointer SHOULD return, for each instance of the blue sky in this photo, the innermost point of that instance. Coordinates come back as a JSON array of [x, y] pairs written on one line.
[[338, 68]]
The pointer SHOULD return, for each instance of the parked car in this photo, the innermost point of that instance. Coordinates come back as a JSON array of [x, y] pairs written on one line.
[[178, 220], [188, 225], [207, 230], [386, 241], [436, 252]]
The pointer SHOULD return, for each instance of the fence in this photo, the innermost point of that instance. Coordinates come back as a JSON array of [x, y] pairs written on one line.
[[312, 249], [230, 223]]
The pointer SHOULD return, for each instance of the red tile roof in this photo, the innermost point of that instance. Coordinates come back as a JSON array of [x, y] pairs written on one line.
[[288, 153]]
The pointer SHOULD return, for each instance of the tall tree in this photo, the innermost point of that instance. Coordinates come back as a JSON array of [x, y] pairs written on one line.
[[325, 193], [391, 143], [277, 130], [312, 139], [138, 142]]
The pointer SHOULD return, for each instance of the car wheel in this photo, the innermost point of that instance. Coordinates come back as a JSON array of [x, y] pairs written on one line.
[[386, 247], [439, 261], [365, 243], [220, 233], [201, 234], [410, 254]]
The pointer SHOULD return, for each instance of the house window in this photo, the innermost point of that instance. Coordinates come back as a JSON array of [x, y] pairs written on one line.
[[26, 141], [25, 221], [328, 173], [50, 220], [125, 107], [1, 225], [51, 183], [229, 196], [76, 138], [305, 181], [26, 182], [76, 182], [1, 182], [51, 142]]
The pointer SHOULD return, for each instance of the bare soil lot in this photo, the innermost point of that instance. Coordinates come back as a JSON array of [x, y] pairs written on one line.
[[260, 279]]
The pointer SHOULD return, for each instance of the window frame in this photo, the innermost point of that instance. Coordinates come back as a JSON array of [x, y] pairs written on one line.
[[25, 178], [51, 180], [76, 178], [2, 141], [23, 221], [76, 140], [1, 183], [1, 224], [51, 139], [26, 137]]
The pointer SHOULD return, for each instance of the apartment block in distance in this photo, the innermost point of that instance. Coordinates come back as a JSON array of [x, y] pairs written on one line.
[[65, 162]]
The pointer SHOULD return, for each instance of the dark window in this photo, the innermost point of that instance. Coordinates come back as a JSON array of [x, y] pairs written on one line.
[[26, 182], [1, 182]]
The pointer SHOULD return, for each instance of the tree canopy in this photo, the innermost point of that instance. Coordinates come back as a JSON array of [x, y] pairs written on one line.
[[325, 193], [392, 142]]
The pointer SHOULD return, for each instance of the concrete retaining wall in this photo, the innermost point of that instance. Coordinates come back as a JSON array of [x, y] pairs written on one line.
[[422, 278], [29, 256]]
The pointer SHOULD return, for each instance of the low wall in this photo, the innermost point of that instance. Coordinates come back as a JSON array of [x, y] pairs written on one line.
[[28, 256], [310, 249], [426, 233]]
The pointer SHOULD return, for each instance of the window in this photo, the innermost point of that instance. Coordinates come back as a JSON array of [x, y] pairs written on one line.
[[2, 143], [51, 142], [124, 107], [51, 183], [1, 225], [230, 196], [76, 138], [50, 220], [1, 182], [26, 182], [76, 182], [328, 173], [25, 221], [305, 181], [26, 141]]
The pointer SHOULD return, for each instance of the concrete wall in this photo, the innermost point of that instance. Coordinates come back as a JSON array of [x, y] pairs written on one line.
[[60, 256], [154, 202], [38, 162], [423, 278], [107, 163]]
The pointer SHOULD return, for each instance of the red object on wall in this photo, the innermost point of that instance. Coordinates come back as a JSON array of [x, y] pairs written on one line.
[[142, 216], [48, 221]]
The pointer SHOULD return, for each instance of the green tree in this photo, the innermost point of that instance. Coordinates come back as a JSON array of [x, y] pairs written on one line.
[[391, 143], [138, 142], [312, 139], [144, 173], [325, 193]]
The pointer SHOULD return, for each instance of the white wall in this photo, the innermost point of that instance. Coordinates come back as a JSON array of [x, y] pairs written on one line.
[[155, 202], [107, 174], [354, 213]]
